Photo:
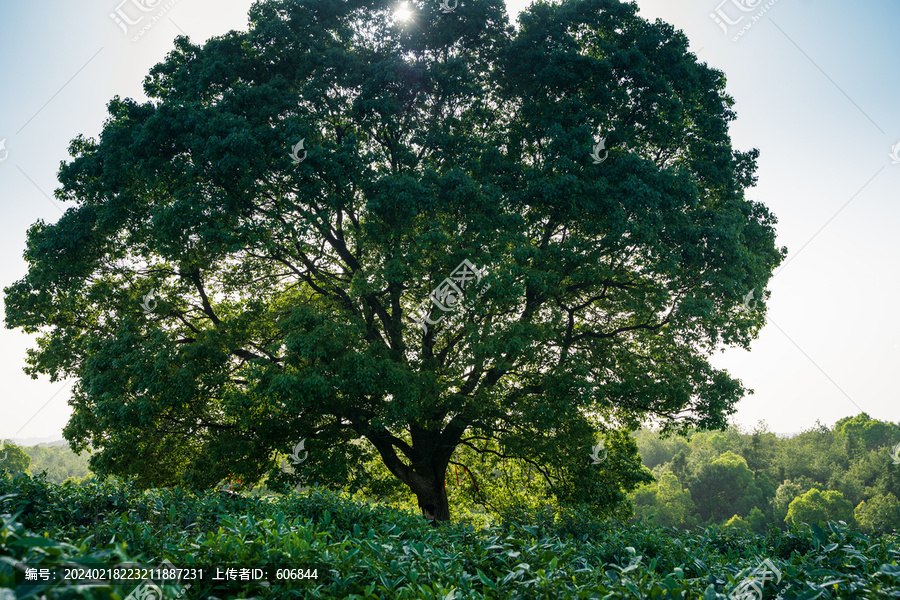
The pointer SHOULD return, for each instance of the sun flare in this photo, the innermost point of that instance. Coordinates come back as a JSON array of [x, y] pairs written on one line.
[[403, 12]]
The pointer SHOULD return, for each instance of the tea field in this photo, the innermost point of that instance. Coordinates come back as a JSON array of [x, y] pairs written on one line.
[[359, 550]]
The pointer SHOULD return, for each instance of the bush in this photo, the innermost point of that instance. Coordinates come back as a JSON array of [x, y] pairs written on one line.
[[374, 551]]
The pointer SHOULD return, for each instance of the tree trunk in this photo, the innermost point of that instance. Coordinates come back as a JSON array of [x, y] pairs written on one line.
[[433, 492], [428, 457]]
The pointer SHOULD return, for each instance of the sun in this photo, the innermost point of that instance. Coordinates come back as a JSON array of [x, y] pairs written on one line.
[[403, 12]]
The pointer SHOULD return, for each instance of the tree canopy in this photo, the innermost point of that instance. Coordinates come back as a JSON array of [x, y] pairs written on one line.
[[759, 476], [723, 485], [815, 506], [13, 458], [276, 247]]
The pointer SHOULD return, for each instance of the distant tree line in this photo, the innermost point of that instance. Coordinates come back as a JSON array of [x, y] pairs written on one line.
[[58, 462], [734, 477], [752, 479]]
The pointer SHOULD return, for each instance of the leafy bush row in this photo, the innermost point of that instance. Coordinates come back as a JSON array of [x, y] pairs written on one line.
[[371, 551]]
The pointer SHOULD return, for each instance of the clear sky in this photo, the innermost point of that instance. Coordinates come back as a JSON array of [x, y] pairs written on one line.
[[816, 87]]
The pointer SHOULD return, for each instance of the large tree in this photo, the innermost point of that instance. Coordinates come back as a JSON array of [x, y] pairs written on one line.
[[724, 487], [816, 506], [581, 164], [13, 458]]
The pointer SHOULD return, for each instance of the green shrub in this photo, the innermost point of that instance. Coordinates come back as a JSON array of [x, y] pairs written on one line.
[[375, 551]]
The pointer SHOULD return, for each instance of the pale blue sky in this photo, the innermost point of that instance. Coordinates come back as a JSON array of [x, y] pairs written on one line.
[[816, 87]]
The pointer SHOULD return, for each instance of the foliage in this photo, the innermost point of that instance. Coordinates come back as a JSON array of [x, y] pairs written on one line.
[[665, 503], [757, 520], [59, 462], [785, 494], [738, 522], [502, 487], [863, 433], [280, 296], [756, 475], [13, 459], [816, 506], [369, 551], [879, 513], [724, 486], [657, 450]]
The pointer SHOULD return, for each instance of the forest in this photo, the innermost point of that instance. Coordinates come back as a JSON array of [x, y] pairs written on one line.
[[746, 479], [753, 479]]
